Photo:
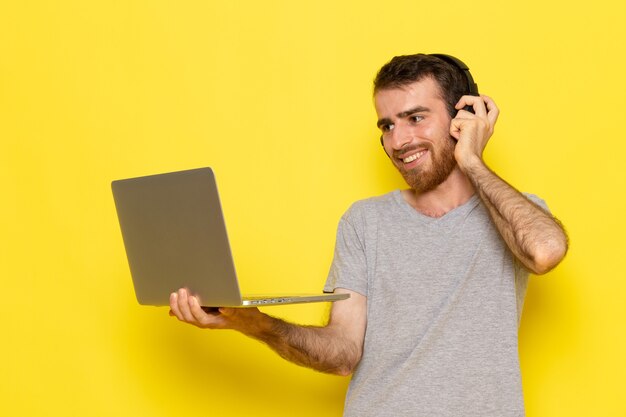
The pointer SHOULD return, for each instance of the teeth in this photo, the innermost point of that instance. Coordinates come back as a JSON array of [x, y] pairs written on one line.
[[413, 157]]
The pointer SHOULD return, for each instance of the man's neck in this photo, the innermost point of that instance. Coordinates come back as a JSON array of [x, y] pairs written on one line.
[[455, 191]]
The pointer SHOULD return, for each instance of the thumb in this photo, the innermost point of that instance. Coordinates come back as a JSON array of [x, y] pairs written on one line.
[[227, 311]]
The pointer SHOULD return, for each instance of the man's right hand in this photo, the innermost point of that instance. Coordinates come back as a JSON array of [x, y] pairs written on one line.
[[187, 308]]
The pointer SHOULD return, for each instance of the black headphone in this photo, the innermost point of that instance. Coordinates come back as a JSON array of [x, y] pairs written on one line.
[[472, 87]]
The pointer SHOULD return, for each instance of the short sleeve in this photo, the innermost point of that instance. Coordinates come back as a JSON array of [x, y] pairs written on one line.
[[349, 267], [538, 201]]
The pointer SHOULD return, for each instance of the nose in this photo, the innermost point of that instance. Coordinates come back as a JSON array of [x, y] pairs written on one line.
[[400, 136]]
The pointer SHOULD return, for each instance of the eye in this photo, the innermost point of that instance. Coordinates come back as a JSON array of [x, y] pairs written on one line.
[[387, 128], [416, 118]]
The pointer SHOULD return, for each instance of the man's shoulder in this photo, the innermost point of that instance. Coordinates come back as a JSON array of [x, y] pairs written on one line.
[[374, 203], [370, 209]]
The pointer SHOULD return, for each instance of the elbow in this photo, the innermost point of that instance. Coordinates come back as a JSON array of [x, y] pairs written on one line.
[[548, 256], [348, 364]]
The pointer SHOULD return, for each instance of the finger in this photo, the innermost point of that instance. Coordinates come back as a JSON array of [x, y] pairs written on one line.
[[455, 127], [174, 310], [464, 114], [201, 317], [492, 110], [475, 102], [183, 305]]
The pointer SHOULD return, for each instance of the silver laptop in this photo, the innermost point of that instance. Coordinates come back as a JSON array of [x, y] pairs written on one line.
[[175, 236]]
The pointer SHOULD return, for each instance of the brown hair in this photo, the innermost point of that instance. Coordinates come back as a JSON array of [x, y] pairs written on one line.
[[407, 69]]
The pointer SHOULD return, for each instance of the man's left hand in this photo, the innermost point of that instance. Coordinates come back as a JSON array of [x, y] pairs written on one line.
[[473, 130]]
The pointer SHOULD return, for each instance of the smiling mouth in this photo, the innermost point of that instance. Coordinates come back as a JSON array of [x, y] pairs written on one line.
[[413, 157]]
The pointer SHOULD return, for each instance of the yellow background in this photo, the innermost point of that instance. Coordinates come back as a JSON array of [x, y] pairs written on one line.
[[276, 96]]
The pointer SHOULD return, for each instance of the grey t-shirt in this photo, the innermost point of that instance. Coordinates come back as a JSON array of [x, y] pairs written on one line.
[[444, 299]]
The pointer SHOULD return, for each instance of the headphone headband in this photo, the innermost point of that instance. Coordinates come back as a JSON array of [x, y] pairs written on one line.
[[472, 87]]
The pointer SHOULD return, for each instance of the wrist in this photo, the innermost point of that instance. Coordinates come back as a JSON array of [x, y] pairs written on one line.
[[260, 326], [470, 164]]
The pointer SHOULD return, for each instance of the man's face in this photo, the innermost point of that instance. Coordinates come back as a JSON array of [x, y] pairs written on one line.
[[415, 126]]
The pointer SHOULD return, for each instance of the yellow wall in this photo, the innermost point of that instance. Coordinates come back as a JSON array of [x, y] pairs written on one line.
[[275, 95]]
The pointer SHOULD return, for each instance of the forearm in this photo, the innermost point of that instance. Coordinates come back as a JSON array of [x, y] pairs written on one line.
[[534, 236], [334, 348], [321, 348]]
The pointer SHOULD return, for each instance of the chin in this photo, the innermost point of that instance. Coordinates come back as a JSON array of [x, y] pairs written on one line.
[[428, 181]]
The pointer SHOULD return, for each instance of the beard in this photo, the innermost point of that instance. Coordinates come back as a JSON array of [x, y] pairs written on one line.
[[442, 164]]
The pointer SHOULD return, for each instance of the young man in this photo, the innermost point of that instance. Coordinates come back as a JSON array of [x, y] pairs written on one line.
[[436, 273]]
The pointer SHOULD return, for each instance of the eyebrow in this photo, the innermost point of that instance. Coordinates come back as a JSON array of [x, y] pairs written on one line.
[[401, 115]]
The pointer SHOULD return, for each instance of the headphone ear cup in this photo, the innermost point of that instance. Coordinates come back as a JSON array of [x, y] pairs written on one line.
[[383, 145]]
